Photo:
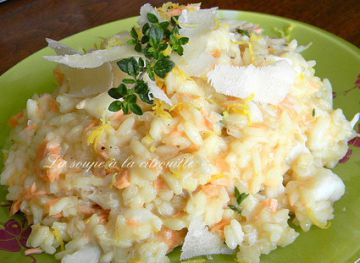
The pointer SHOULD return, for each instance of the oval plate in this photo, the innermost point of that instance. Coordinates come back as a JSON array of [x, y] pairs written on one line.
[[336, 59]]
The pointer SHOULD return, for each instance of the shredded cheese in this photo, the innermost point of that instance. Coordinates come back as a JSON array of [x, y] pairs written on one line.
[[95, 58]]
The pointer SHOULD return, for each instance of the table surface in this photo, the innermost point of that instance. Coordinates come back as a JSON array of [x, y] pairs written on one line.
[[26, 23]]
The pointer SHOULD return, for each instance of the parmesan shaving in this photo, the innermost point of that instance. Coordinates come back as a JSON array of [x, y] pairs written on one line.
[[95, 58], [156, 91], [199, 241], [60, 48], [194, 23], [87, 82], [355, 119], [270, 84], [196, 61], [144, 10]]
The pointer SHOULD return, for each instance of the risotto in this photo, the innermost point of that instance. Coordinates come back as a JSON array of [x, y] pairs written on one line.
[[239, 141]]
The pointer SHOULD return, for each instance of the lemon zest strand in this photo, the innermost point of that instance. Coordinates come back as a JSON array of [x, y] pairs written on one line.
[[216, 177], [58, 237], [160, 110], [95, 136]]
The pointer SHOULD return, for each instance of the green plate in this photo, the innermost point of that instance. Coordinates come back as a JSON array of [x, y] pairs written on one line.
[[336, 59]]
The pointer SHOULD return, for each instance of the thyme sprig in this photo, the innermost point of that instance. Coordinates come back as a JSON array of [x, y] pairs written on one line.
[[156, 41], [239, 197]]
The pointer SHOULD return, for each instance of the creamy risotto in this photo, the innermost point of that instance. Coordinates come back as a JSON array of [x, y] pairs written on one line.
[[238, 142]]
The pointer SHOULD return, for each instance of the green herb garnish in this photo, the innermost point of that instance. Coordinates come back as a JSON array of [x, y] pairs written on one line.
[[235, 208], [313, 112], [239, 197], [243, 32], [155, 40]]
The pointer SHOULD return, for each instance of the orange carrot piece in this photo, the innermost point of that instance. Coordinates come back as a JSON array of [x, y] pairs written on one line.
[[171, 237], [53, 201], [222, 164], [54, 106], [211, 189], [59, 76], [133, 222], [123, 180], [219, 227], [208, 124], [174, 12], [15, 207], [14, 121], [104, 216], [216, 53], [271, 203], [160, 184]]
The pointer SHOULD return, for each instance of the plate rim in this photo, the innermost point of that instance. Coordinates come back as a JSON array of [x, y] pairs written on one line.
[[328, 35]]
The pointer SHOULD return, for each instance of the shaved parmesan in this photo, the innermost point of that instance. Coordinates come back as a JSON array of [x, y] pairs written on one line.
[[269, 84], [199, 241], [156, 91], [302, 48], [87, 82], [144, 10], [119, 39], [196, 22], [277, 58], [96, 106], [355, 120], [83, 81], [196, 61], [243, 25], [95, 58], [60, 48], [198, 58], [88, 254]]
